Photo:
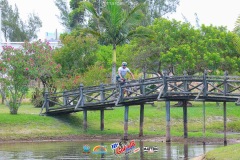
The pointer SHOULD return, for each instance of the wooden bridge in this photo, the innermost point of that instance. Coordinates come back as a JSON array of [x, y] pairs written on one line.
[[138, 92]]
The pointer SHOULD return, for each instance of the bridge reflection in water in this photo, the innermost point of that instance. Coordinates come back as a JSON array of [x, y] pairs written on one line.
[[138, 92]]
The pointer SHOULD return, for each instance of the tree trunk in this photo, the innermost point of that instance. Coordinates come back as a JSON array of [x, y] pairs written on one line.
[[2, 96], [114, 64], [13, 106], [13, 110], [2, 100]]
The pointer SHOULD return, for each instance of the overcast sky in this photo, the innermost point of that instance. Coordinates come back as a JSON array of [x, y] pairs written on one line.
[[45, 9], [216, 12]]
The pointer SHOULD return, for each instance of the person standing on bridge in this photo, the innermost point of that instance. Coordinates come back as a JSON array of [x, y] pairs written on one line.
[[122, 71]]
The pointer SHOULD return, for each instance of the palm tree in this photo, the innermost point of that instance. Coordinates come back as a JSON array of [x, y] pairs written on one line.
[[114, 25]]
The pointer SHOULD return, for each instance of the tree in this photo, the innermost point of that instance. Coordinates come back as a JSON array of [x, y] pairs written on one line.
[[16, 70], [64, 13], [76, 54], [155, 8], [32, 27], [237, 26], [78, 17], [19, 66], [14, 29], [114, 25], [178, 47]]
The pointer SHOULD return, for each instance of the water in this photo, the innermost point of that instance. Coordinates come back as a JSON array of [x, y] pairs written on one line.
[[74, 151]]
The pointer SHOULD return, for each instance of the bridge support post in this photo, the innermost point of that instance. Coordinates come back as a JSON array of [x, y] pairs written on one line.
[[141, 120], [126, 123], [85, 120], [185, 119], [225, 123], [168, 127], [102, 119], [65, 98], [204, 123], [46, 100]]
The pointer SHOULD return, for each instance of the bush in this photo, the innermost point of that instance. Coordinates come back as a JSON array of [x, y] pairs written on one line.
[[37, 98]]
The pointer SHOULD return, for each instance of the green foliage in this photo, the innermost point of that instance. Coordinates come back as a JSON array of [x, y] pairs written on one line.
[[19, 66], [152, 9], [178, 47], [104, 56], [64, 12], [37, 98], [237, 26], [76, 54], [114, 25], [96, 75], [16, 70], [15, 29], [69, 82]]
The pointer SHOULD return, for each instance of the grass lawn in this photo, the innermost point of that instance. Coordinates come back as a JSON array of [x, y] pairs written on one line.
[[28, 124], [224, 153]]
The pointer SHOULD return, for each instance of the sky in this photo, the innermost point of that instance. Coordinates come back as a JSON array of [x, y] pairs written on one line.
[[45, 9], [215, 12]]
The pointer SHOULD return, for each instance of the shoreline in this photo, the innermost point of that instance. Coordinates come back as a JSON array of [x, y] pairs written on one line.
[[191, 140]]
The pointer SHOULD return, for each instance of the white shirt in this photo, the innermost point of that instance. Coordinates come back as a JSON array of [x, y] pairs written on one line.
[[123, 71]]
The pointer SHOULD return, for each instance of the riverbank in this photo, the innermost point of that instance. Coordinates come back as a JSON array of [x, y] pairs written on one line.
[[111, 138], [27, 125]]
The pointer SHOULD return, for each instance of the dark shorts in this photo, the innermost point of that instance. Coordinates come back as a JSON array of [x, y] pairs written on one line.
[[119, 80]]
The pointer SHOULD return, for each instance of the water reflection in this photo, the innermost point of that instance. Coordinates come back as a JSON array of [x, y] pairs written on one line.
[[74, 150], [168, 150]]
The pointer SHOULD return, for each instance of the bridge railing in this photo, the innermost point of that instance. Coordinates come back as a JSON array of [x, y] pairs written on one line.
[[96, 96], [224, 86], [60, 100], [198, 87], [141, 90]]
